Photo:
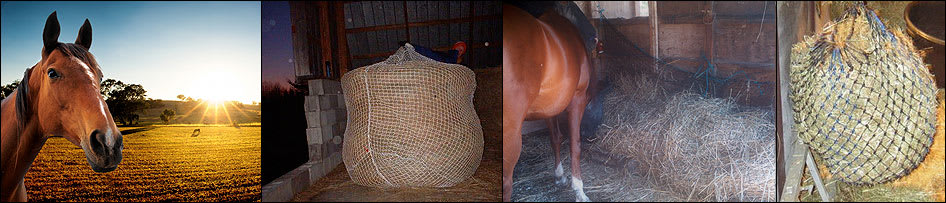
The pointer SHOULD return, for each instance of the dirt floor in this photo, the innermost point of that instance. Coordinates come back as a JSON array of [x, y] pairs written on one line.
[[484, 186]]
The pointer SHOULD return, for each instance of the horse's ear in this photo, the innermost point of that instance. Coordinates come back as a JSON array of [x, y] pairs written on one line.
[[85, 35], [23, 98], [51, 33]]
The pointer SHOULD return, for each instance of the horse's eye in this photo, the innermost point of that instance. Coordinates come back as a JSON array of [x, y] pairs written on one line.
[[53, 73]]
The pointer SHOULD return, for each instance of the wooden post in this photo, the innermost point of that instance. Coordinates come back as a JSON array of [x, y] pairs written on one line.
[[344, 58], [407, 29], [795, 20], [652, 18], [710, 22], [469, 51], [325, 37]]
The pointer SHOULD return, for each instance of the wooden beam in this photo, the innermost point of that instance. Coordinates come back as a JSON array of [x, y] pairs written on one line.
[[424, 23]]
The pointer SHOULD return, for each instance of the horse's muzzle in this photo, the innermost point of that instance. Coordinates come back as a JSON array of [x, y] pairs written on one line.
[[105, 151]]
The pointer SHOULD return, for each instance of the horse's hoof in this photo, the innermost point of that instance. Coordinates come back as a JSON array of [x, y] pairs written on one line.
[[582, 198], [561, 180]]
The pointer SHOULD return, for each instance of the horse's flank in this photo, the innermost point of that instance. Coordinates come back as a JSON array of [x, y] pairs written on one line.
[[546, 72]]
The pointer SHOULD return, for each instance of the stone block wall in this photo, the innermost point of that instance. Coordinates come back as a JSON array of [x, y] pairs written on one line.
[[326, 119]]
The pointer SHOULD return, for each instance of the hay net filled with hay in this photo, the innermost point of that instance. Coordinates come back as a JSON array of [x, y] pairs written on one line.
[[411, 123], [863, 99], [688, 140]]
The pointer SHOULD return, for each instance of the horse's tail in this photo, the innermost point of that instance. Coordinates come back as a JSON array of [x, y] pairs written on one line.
[[574, 14], [592, 77]]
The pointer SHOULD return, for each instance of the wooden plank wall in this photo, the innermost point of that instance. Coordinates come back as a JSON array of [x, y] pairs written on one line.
[[330, 38], [796, 20], [374, 29], [727, 33], [305, 38]]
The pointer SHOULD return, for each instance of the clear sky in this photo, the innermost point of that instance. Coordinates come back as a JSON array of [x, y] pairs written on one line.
[[277, 43], [208, 50]]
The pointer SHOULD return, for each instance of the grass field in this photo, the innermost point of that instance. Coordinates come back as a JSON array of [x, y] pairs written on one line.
[[160, 163], [202, 113]]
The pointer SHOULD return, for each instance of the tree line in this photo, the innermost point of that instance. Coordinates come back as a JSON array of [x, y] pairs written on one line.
[[124, 100]]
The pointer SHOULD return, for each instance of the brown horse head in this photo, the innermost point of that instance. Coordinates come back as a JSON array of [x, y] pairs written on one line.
[[62, 93]]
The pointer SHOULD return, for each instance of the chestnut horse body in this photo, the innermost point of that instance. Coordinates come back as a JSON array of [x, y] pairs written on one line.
[[59, 96], [546, 72]]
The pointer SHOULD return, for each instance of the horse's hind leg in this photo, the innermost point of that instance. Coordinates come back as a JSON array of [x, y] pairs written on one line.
[[575, 111], [512, 145], [555, 136], [513, 115]]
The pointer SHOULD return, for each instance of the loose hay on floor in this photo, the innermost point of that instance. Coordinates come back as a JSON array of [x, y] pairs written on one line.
[[697, 149]]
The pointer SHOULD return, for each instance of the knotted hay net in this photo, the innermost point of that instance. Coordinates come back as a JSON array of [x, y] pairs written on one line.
[[863, 99], [411, 123]]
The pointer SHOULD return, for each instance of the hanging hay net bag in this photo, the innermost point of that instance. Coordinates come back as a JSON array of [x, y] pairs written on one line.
[[411, 123], [863, 99]]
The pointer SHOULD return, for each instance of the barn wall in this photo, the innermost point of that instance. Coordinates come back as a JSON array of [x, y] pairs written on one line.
[[796, 20], [305, 37], [370, 47], [330, 38], [739, 38]]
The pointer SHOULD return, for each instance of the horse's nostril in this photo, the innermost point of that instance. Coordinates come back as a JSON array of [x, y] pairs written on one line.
[[97, 142]]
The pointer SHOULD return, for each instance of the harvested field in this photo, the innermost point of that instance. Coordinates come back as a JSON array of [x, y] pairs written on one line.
[[159, 164]]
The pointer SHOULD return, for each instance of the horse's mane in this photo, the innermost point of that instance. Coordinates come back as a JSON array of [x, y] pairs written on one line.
[[23, 108]]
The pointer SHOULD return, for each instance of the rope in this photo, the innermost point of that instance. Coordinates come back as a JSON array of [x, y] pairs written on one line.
[[368, 128]]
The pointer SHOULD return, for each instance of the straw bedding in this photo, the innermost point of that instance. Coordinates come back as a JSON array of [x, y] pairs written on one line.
[[695, 149]]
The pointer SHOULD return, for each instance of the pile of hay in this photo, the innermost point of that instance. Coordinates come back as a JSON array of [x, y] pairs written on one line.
[[704, 149]]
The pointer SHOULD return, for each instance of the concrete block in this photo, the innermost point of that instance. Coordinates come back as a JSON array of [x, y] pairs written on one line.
[[315, 152], [327, 134], [311, 103], [341, 102], [337, 158], [277, 191], [337, 130], [324, 87], [299, 179], [322, 102], [341, 115], [314, 136], [317, 119], [332, 161], [316, 171], [340, 128]]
